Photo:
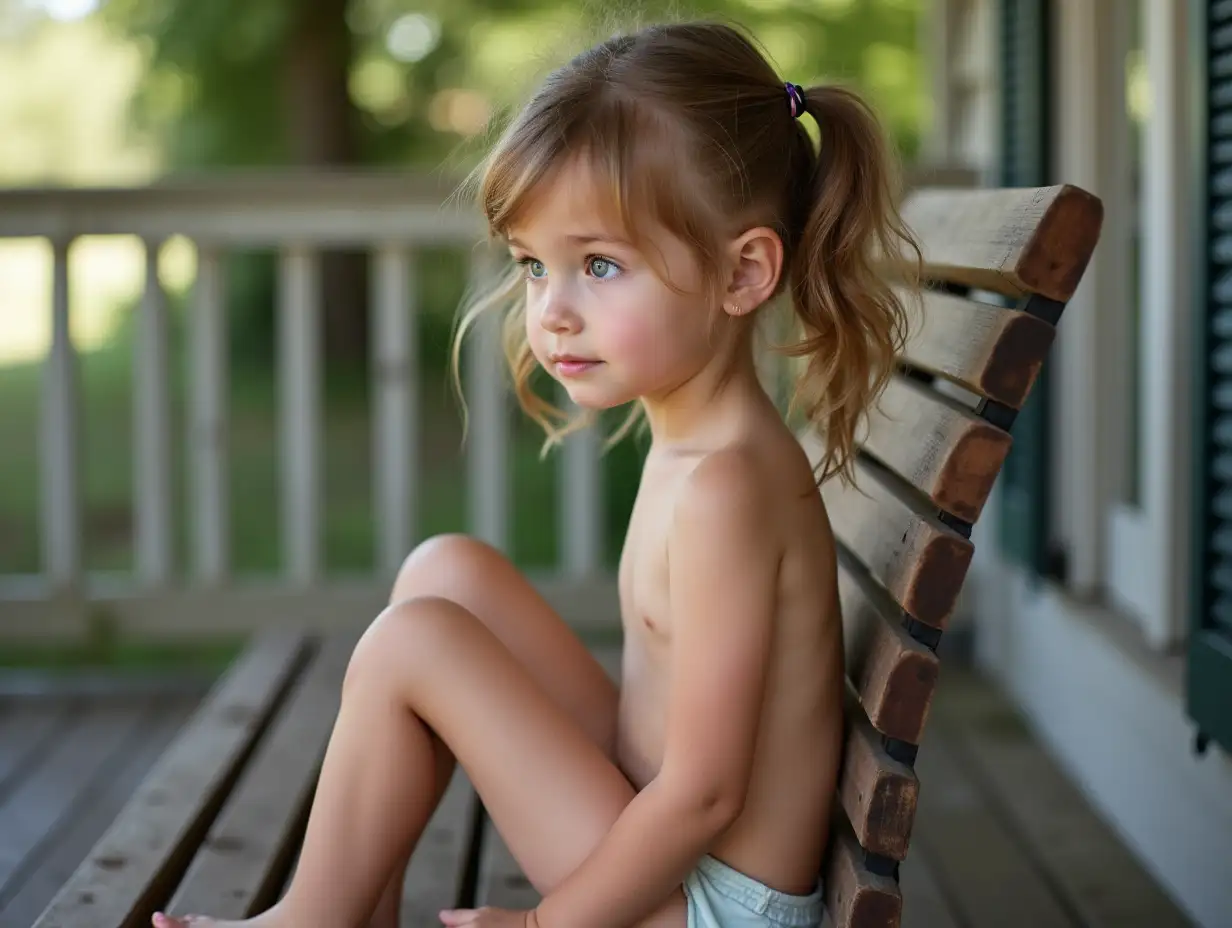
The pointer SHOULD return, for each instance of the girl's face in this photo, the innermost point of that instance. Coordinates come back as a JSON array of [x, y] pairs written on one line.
[[598, 318]]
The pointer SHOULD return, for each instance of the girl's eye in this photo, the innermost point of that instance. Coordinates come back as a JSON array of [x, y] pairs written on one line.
[[534, 268], [602, 268]]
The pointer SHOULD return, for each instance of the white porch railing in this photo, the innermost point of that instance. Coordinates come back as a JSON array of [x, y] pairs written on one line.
[[391, 215]]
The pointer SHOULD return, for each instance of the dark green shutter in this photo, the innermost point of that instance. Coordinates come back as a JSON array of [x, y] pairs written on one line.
[[1209, 682], [1026, 145]]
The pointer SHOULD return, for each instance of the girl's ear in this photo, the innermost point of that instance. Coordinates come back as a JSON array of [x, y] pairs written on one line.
[[755, 259]]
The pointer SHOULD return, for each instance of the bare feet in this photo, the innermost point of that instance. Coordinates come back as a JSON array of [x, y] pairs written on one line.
[[380, 920]]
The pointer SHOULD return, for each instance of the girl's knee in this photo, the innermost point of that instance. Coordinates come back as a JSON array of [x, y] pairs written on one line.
[[442, 564], [406, 638]]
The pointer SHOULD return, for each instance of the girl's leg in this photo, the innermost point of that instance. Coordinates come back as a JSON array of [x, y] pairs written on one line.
[[429, 663], [482, 580]]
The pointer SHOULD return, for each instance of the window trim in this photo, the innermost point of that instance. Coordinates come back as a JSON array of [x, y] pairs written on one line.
[[1134, 559], [1147, 556]]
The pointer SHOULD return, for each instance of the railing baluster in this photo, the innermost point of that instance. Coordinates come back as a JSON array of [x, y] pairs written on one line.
[[581, 509], [207, 448], [299, 367], [152, 430], [488, 430], [395, 391], [60, 486]]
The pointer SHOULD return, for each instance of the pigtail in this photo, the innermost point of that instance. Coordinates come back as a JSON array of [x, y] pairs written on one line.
[[852, 245]]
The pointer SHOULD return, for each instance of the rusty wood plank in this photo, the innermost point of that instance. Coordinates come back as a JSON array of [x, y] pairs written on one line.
[[877, 792], [990, 350], [894, 674], [1013, 241], [920, 561], [947, 452], [856, 897]]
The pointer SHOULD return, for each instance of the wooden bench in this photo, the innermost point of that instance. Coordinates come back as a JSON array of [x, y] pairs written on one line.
[[216, 825], [926, 468]]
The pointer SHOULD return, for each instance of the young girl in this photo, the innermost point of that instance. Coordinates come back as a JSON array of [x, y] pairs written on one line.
[[655, 194]]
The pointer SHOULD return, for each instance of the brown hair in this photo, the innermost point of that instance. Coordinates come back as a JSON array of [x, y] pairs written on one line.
[[691, 127]]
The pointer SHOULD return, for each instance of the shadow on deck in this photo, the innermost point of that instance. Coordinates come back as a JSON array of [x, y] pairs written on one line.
[[1001, 838]]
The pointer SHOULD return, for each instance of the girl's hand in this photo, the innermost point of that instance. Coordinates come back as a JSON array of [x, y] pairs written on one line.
[[489, 917]]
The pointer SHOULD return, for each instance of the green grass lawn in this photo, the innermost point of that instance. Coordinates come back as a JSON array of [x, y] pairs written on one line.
[[106, 379]]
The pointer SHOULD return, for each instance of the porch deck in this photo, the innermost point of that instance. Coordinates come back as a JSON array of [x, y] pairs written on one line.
[[1001, 837]]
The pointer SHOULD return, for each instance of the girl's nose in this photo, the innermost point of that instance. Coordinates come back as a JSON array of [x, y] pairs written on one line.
[[559, 315]]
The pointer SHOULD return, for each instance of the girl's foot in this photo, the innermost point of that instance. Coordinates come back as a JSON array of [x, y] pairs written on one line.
[[201, 921]]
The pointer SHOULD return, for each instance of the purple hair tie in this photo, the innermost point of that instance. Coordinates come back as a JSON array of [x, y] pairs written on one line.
[[795, 96]]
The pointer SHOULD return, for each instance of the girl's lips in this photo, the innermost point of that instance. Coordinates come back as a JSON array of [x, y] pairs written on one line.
[[572, 367]]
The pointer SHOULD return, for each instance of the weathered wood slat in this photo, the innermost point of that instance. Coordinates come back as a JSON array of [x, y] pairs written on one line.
[[1084, 861], [24, 735], [97, 808], [501, 881], [1016, 241], [970, 848], [36, 808], [856, 897], [990, 350], [877, 792], [436, 875], [919, 560], [946, 452], [135, 864], [893, 673], [924, 903], [244, 859]]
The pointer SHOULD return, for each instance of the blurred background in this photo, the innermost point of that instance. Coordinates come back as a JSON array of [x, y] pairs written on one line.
[[229, 268], [126, 91]]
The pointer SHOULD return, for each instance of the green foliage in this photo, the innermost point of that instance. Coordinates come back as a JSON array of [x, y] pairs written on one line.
[[213, 93]]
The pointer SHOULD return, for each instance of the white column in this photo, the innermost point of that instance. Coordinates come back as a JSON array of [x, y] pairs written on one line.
[[1148, 544], [485, 388], [209, 487], [581, 502], [395, 391], [152, 431], [60, 514], [1091, 134], [299, 369]]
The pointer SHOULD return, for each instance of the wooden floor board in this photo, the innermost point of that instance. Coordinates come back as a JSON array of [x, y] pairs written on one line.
[[501, 881], [48, 794], [1083, 858], [924, 903], [21, 904], [27, 729], [976, 858], [1001, 837], [434, 879]]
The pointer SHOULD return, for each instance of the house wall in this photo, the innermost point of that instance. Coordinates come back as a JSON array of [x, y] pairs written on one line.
[[1095, 665]]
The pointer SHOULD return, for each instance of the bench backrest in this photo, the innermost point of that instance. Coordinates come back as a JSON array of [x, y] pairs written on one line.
[[932, 452]]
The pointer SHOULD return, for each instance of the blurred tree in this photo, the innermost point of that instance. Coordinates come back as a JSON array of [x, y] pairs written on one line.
[[324, 83]]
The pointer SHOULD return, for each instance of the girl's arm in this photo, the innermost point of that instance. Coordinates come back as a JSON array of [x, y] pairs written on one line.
[[723, 560]]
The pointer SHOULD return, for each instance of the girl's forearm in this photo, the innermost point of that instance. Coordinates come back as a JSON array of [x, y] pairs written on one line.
[[647, 854]]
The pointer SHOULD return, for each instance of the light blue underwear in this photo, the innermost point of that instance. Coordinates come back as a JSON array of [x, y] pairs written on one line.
[[720, 896]]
